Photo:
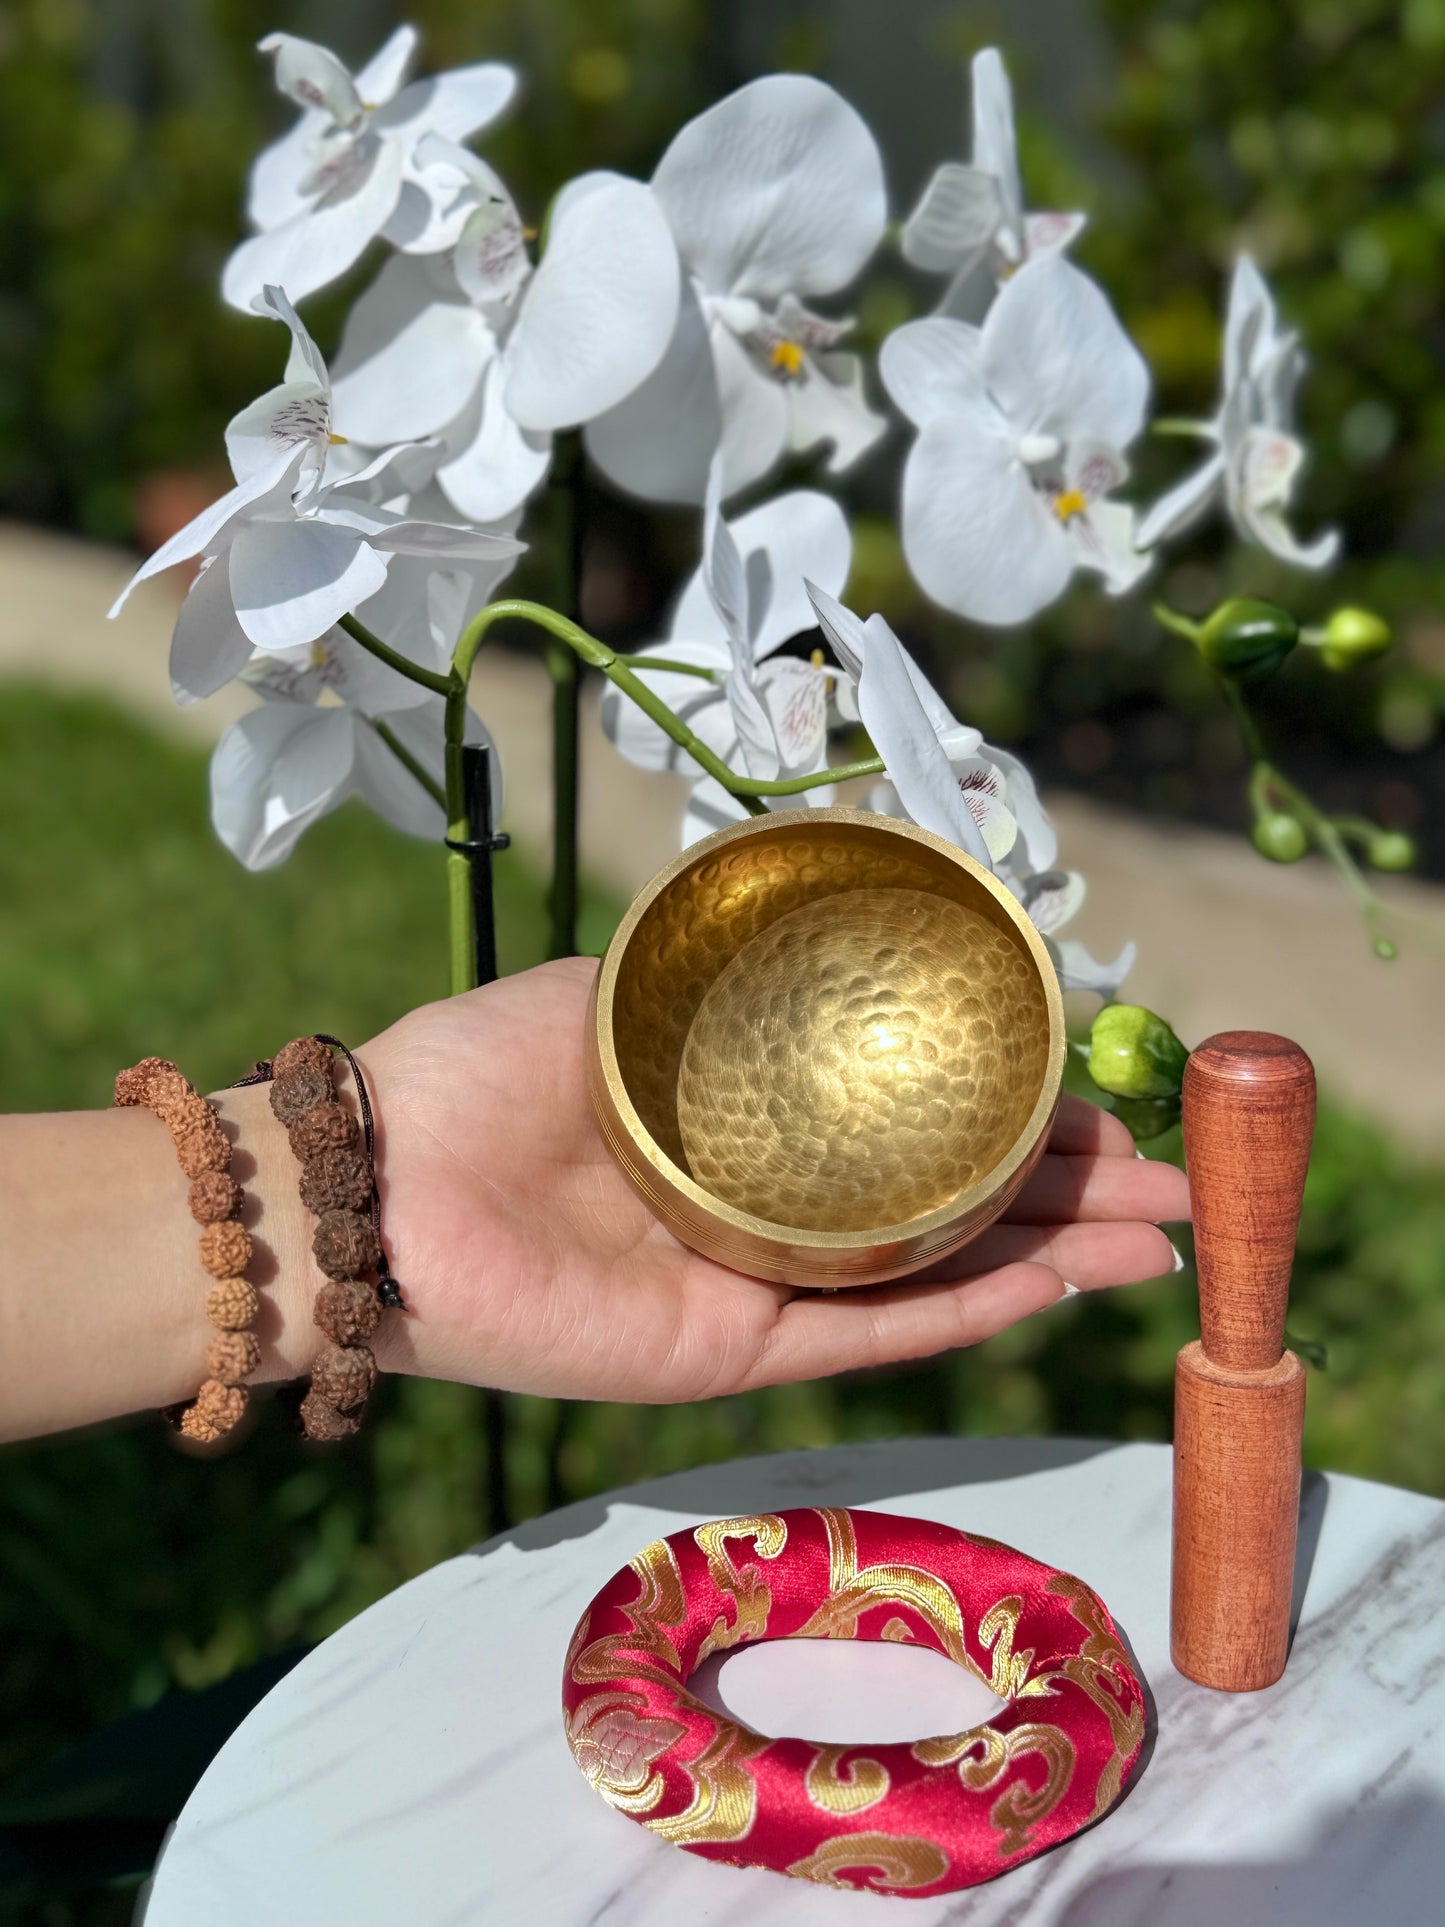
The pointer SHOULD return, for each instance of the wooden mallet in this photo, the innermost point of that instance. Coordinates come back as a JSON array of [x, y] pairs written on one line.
[[1239, 1396]]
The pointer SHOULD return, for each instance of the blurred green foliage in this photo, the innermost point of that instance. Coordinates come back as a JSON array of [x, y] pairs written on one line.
[[127, 1569]]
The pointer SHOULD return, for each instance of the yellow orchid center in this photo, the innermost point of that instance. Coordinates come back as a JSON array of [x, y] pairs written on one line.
[[1070, 502], [319, 657], [337, 441], [787, 358]]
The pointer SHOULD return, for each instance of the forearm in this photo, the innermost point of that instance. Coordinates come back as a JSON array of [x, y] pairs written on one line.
[[102, 1300]]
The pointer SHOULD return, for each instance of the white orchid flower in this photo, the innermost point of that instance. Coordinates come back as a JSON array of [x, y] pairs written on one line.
[[316, 738], [737, 610], [492, 356], [287, 552], [1022, 426], [345, 172], [1256, 457], [970, 223], [946, 778], [774, 196]]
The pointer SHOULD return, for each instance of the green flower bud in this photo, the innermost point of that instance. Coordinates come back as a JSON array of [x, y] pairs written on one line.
[[1134, 1054], [1147, 1117], [1385, 950], [1353, 636], [1279, 836], [1392, 850], [1246, 639]]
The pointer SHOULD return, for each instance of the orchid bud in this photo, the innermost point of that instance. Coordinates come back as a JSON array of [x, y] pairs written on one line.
[[1279, 836], [1246, 639], [1134, 1054], [1147, 1117], [1353, 636], [1392, 850]]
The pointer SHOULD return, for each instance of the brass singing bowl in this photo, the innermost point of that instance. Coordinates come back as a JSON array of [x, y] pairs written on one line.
[[826, 1047]]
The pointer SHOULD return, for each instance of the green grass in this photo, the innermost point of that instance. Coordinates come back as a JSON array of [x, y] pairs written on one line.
[[126, 1569]]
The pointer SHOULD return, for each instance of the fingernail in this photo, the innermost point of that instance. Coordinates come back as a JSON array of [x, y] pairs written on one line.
[[1070, 1291], [1178, 1256]]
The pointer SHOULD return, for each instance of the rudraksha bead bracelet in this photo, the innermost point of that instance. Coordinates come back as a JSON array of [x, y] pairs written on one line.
[[215, 1200], [338, 1186]]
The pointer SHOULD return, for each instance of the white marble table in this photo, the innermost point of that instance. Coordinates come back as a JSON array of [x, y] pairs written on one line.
[[412, 1771]]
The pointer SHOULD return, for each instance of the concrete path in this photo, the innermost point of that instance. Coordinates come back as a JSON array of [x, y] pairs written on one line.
[[1225, 939]]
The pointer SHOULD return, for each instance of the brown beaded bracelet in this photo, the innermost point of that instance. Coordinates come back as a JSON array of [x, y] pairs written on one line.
[[338, 1185], [215, 1199]]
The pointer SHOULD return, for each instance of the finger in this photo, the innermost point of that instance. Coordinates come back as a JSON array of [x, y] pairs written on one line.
[[816, 1336], [1091, 1256], [1065, 1189], [1082, 1129]]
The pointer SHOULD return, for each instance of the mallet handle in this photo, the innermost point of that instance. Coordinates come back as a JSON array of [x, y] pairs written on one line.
[[1249, 1116], [1249, 1102]]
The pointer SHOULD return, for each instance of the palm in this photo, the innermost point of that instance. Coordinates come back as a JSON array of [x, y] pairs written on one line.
[[529, 1263]]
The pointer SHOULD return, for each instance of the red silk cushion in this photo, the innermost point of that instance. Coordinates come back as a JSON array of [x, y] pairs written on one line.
[[911, 1819]]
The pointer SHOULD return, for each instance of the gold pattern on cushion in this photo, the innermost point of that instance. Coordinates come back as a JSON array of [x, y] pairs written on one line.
[[752, 1598], [851, 1789], [896, 1859]]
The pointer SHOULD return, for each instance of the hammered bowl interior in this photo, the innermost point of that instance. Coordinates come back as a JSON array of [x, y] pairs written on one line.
[[983, 997]]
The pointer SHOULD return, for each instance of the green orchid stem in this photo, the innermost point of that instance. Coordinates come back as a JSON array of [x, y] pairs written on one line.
[[409, 762], [432, 679], [1172, 620], [1181, 427], [673, 668], [562, 897], [749, 790]]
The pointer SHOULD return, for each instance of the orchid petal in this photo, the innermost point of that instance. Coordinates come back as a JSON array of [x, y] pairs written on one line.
[[845, 634], [995, 143], [1250, 310], [658, 442], [409, 358], [1104, 539], [1051, 233], [981, 786], [380, 776], [443, 542], [313, 77], [291, 581], [955, 218], [903, 736], [829, 405], [216, 527], [600, 311], [805, 536], [754, 413], [274, 195], [723, 574], [1057, 360], [457, 104], [274, 773], [795, 696], [379, 79], [934, 367], [777, 189], [1183, 505], [314, 247], [977, 536], [1052, 898], [710, 807], [500, 465], [209, 648], [1080, 971], [1038, 833]]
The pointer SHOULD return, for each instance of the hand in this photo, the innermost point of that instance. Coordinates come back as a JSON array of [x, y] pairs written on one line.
[[530, 1264]]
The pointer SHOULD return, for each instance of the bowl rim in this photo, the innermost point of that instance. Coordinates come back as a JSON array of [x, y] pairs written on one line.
[[766, 1229]]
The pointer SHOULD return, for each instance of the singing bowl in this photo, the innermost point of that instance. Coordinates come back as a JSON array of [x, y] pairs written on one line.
[[825, 1047]]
